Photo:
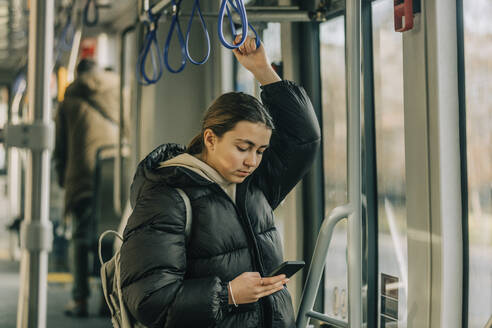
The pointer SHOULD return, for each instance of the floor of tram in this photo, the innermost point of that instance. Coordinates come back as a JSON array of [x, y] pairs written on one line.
[[59, 289], [59, 283]]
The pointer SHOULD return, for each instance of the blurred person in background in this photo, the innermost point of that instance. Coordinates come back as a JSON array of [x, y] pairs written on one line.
[[86, 120]]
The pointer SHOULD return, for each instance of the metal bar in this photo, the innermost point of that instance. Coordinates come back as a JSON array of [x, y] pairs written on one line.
[[261, 16], [74, 52], [274, 8], [313, 183], [327, 319], [119, 174], [276, 16], [34, 266], [318, 263], [370, 174], [463, 163], [445, 184], [136, 106], [158, 7], [14, 164], [354, 265], [255, 14]]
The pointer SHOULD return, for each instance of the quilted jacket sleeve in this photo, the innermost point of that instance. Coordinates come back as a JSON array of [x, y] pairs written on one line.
[[153, 266], [294, 142]]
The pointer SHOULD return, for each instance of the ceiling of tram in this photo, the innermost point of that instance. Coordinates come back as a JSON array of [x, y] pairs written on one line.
[[14, 26]]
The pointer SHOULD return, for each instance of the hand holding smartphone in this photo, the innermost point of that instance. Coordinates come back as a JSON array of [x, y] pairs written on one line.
[[289, 268]]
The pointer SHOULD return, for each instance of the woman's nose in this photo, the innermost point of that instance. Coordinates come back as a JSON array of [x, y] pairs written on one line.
[[251, 160]]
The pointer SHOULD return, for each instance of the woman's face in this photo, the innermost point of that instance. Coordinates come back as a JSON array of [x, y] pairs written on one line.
[[238, 152]]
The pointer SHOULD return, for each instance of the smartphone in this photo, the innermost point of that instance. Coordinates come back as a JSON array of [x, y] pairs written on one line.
[[289, 268]]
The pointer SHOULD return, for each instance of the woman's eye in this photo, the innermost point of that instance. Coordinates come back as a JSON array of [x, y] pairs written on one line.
[[241, 149], [259, 153]]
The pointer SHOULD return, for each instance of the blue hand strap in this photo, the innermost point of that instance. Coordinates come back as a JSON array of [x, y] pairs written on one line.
[[150, 46], [67, 34], [91, 5], [244, 21], [196, 9], [241, 10], [175, 25]]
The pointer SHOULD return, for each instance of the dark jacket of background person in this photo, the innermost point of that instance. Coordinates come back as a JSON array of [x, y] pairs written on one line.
[[170, 282], [86, 120]]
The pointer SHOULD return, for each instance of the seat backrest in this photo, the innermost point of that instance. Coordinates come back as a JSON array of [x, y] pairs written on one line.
[[105, 215]]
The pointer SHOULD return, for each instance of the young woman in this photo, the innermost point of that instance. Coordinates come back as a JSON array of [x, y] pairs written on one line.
[[237, 170]]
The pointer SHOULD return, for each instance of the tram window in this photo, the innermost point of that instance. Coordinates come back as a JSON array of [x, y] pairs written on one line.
[[478, 70], [390, 149], [332, 55], [3, 120], [245, 81]]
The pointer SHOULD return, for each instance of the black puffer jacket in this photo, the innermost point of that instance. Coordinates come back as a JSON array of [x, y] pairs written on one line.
[[170, 282]]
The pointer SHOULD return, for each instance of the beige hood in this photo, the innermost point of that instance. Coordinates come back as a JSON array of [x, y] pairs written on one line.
[[203, 169]]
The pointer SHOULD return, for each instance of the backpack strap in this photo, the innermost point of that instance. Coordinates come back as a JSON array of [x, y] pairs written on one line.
[[98, 109], [189, 216], [101, 237]]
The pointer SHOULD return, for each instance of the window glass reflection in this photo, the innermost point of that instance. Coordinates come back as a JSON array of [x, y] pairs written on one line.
[[332, 43], [478, 70], [390, 149]]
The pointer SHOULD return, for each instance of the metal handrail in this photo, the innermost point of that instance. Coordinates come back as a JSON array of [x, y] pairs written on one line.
[[317, 265], [327, 319]]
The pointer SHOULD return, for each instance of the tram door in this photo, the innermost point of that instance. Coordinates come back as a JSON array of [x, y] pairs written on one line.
[[390, 159], [423, 212]]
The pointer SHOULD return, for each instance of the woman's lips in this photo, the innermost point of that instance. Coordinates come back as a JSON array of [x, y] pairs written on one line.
[[243, 173]]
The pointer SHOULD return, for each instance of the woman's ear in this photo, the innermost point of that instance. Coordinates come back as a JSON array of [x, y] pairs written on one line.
[[209, 139]]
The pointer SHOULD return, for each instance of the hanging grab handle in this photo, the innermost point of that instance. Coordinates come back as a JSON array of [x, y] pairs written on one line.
[[65, 40], [257, 37], [67, 34], [233, 28], [241, 10], [150, 46], [91, 5], [196, 8], [175, 25]]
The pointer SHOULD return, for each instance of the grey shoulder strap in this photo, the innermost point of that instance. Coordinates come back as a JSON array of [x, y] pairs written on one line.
[[189, 216]]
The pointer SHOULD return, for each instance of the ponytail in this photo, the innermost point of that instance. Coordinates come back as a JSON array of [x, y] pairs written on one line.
[[196, 145]]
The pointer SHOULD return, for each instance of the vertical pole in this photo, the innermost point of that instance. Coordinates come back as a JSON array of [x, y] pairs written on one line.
[[313, 181], [120, 172], [370, 172], [136, 110], [354, 162], [463, 160], [36, 233]]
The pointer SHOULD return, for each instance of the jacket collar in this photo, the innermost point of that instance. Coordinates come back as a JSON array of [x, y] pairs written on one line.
[[148, 170], [174, 176]]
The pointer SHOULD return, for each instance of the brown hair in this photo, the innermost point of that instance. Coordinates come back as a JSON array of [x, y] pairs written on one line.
[[225, 112]]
